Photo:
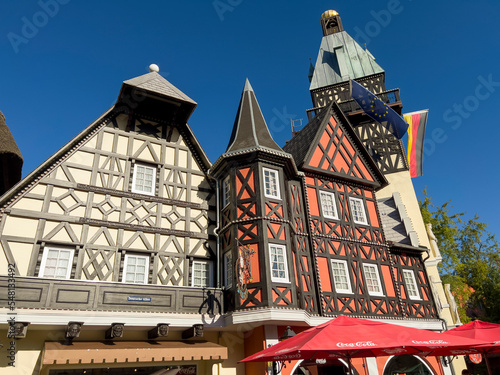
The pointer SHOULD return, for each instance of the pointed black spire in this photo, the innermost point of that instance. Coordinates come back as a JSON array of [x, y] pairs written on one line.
[[250, 129], [311, 71]]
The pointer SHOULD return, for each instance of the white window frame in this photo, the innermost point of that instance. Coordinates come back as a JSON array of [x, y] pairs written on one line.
[[125, 264], [374, 268], [352, 202], [343, 263], [45, 255], [226, 191], [413, 281], [209, 276], [229, 270], [134, 178], [277, 279], [331, 196], [276, 177]]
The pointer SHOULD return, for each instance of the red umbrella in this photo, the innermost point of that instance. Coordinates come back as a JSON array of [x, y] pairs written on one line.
[[346, 337], [487, 332]]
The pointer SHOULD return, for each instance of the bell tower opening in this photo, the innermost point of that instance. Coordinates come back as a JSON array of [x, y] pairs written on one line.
[[331, 23]]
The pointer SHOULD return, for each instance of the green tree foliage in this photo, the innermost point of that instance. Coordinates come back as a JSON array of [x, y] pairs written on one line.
[[471, 260]]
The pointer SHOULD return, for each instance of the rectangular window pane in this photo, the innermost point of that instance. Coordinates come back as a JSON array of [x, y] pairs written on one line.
[[144, 179], [226, 191], [279, 268], [328, 205], [340, 277], [201, 274], [411, 284], [372, 279], [56, 263], [271, 183], [136, 269], [228, 261], [358, 211]]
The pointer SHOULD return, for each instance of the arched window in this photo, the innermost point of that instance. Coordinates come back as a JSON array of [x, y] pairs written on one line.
[[322, 367], [407, 364]]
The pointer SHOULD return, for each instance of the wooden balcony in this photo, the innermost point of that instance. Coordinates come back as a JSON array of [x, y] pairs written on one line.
[[34, 293]]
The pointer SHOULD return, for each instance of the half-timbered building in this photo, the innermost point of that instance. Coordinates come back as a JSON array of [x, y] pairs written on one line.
[[127, 251]]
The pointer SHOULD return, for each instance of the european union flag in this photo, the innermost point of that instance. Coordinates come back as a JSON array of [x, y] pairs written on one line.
[[378, 110]]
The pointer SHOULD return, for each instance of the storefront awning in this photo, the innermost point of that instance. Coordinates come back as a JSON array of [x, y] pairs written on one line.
[[57, 353]]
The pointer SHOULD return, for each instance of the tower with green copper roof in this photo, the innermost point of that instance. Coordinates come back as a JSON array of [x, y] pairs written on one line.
[[341, 59]]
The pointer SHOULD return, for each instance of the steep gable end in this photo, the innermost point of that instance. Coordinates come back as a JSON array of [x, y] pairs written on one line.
[[335, 153], [336, 150]]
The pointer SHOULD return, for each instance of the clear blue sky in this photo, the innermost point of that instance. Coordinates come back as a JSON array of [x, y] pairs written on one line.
[[62, 67]]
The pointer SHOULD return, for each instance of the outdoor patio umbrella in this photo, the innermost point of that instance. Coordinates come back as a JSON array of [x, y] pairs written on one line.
[[346, 337], [484, 331]]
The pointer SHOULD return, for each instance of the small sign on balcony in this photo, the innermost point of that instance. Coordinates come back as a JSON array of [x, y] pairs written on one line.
[[138, 299]]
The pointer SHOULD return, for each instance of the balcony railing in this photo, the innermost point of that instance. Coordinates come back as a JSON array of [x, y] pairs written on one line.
[[349, 106], [42, 293]]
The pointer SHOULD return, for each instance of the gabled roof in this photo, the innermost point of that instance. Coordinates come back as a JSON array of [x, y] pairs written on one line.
[[147, 100], [329, 145], [164, 99], [340, 59], [250, 129], [153, 82]]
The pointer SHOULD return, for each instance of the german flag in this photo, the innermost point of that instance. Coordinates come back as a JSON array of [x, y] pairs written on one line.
[[416, 134]]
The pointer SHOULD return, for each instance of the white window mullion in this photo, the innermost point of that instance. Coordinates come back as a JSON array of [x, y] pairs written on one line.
[[279, 265], [328, 205], [271, 183], [136, 269], [411, 284], [358, 211], [226, 192], [144, 179], [341, 278], [228, 265], [202, 274], [372, 279], [56, 263]]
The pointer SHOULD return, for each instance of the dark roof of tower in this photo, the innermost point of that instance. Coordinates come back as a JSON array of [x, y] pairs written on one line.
[[300, 144], [340, 59], [7, 143], [250, 129]]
